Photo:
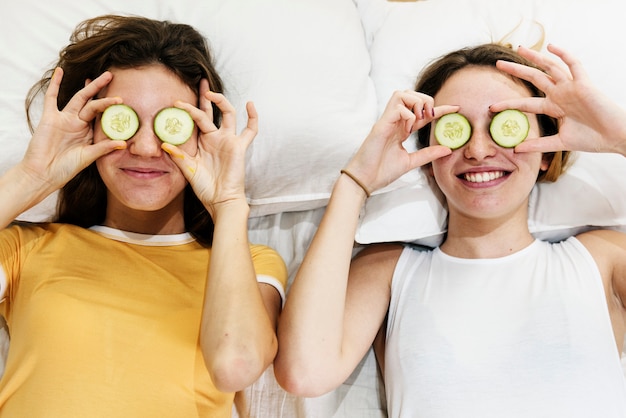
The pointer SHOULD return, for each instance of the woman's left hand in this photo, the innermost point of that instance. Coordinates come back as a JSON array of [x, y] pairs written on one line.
[[588, 119], [217, 171]]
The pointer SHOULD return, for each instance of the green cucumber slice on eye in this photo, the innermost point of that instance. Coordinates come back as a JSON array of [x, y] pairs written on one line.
[[119, 122], [453, 130], [173, 125], [509, 128]]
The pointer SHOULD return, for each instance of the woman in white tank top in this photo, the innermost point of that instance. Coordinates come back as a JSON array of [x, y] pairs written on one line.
[[493, 323]]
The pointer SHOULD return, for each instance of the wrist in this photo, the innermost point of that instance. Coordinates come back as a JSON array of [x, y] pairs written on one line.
[[232, 207], [356, 181], [20, 191]]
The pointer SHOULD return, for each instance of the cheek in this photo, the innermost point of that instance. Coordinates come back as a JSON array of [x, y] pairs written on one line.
[[437, 168], [529, 158], [103, 163], [191, 146]]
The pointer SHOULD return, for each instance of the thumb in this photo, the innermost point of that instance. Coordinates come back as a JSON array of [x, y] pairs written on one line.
[[93, 152], [183, 161], [428, 154]]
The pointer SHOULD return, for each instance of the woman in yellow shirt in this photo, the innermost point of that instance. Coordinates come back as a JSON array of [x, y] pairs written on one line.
[[144, 296]]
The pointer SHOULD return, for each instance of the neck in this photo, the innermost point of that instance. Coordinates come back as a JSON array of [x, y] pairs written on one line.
[[486, 238], [148, 222]]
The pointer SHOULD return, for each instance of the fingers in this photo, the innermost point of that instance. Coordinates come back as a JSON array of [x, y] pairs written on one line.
[[540, 79], [50, 97], [409, 108], [228, 111], [203, 115], [87, 93], [94, 107], [575, 66], [204, 120], [184, 161], [444, 110], [421, 105], [252, 128], [81, 104], [428, 155], [555, 70], [544, 144], [204, 103], [406, 116], [94, 151], [525, 104]]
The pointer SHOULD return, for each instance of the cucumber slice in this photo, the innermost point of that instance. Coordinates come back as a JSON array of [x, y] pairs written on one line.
[[509, 128], [119, 122], [173, 125], [453, 130]]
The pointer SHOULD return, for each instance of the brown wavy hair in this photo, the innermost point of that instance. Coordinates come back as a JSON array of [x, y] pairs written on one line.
[[115, 41], [432, 78]]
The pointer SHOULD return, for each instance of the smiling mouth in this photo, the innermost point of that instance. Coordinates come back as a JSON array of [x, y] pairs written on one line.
[[483, 177], [144, 172]]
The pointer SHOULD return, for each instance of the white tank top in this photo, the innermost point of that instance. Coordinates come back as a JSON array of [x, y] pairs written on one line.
[[526, 335]]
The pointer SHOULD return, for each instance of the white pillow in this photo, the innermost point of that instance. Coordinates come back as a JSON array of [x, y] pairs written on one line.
[[403, 37], [590, 194], [305, 65]]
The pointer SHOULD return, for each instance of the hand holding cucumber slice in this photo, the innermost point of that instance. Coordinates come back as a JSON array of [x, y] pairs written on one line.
[[119, 122], [509, 128], [173, 125], [453, 130]]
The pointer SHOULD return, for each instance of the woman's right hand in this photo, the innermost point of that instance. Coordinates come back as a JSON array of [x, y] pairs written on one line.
[[382, 158], [62, 144]]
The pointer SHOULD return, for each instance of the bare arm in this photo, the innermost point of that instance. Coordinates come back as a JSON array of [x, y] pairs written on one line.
[[238, 334], [238, 330], [325, 330], [608, 249], [334, 309]]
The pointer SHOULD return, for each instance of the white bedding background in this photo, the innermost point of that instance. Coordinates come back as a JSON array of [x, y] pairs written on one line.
[[319, 72]]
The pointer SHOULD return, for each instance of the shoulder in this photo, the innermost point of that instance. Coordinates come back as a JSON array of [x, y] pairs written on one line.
[[379, 253], [267, 261], [263, 254], [261, 250], [28, 231], [608, 249], [377, 260], [604, 243]]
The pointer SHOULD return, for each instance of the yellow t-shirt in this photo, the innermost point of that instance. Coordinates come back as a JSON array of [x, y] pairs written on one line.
[[105, 323]]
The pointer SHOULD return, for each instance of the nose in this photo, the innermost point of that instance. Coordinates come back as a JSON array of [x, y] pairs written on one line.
[[145, 143], [480, 145]]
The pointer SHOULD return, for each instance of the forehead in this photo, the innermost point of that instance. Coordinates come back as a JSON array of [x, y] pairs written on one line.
[[152, 81], [479, 85]]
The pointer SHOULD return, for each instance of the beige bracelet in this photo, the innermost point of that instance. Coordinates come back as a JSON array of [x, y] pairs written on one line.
[[357, 181]]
